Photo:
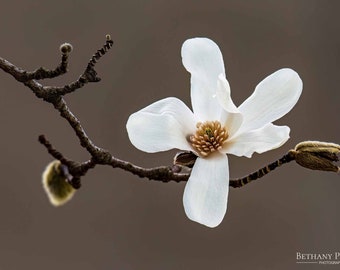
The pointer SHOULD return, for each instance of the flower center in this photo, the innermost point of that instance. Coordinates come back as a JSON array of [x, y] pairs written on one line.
[[209, 137]]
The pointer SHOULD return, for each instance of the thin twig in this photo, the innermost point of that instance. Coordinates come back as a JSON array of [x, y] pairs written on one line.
[[164, 174], [40, 73], [237, 183], [96, 152]]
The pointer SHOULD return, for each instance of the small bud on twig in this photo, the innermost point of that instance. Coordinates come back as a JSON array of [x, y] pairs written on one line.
[[56, 183], [66, 48], [185, 158], [317, 155]]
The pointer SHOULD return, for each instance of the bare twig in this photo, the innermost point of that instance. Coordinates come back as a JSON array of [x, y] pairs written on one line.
[[40, 73]]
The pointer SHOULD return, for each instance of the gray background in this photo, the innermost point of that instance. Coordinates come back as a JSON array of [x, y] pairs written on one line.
[[118, 221]]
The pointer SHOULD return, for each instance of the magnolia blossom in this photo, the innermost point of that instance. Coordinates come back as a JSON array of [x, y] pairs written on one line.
[[215, 126]]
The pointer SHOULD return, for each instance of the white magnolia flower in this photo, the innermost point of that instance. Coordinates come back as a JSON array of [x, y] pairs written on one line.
[[216, 127]]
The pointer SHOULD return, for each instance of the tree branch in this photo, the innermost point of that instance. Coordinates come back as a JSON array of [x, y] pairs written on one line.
[[40, 73], [164, 174], [98, 156]]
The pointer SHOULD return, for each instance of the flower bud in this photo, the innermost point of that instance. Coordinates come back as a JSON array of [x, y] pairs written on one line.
[[66, 48], [56, 184], [185, 158], [316, 155]]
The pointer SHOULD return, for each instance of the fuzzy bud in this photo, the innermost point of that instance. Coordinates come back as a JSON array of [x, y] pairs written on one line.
[[66, 48], [316, 155], [56, 184]]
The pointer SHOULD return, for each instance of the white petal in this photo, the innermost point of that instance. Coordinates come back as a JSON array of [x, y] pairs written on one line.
[[205, 195], [259, 140], [275, 96], [231, 117], [203, 59], [232, 122], [223, 95], [161, 126]]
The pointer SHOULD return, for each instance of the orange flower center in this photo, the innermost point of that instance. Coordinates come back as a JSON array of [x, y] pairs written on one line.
[[209, 137]]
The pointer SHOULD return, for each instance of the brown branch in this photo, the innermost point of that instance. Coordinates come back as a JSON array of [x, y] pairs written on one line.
[[164, 174], [99, 154], [263, 171], [40, 73], [313, 155], [52, 94]]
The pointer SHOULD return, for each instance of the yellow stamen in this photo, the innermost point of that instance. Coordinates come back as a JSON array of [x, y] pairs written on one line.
[[209, 137]]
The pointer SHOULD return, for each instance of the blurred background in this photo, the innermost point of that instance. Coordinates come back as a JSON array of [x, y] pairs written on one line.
[[119, 221]]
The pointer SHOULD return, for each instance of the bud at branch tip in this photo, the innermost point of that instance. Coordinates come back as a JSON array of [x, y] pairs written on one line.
[[56, 184], [66, 48], [317, 155]]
